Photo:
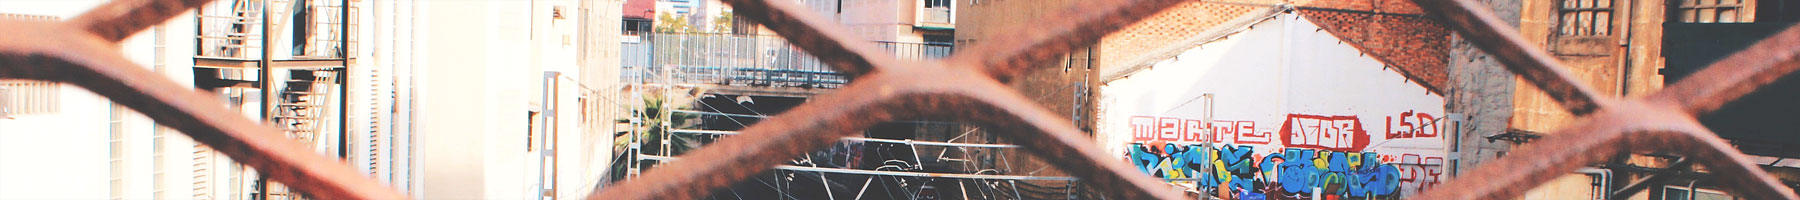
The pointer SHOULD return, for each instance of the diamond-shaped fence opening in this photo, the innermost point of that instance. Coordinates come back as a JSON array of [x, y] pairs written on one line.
[[968, 86]]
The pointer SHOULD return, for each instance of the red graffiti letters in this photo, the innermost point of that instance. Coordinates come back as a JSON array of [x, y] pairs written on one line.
[[1412, 125], [1336, 133]]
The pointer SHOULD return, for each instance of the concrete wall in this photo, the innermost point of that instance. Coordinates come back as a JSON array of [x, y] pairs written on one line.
[[1475, 81], [475, 74]]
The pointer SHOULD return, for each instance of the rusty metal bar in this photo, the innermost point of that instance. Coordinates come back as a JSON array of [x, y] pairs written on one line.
[[1719, 157], [1051, 136], [1633, 127], [960, 93], [82, 52], [118, 19], [1012, 52], [67, 52], [1663, 122], [820, 37], [896, 93], [1737, 75], [1477, 23], [765, 144]]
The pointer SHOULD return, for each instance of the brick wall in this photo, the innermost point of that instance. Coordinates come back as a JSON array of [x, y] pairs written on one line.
[[1413, 43], [1172, 26]]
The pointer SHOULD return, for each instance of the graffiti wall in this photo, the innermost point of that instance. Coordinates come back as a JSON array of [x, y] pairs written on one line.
[[1275, 112], [1288, 173]]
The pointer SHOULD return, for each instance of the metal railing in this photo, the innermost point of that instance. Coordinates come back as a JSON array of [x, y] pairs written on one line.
[[230, 30], [742, 60], [234, 30], [969, 86], [18, 97]]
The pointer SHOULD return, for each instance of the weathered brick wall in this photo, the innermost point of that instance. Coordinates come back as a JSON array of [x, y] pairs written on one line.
[[1411, 42], [1394, 31], [1176, 24]]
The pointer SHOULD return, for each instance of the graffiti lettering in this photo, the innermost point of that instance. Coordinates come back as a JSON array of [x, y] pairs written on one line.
[[1170, 129], [1167, 129], [1412, 125], [1420, 173], [1291, 173], [1336, 133]]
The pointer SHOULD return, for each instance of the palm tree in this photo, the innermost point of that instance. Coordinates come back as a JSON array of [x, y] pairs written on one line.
[[650, 130]]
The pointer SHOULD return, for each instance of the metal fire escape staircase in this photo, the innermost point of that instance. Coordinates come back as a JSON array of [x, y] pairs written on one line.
[[304, 104], [237, 50], [231, 51]]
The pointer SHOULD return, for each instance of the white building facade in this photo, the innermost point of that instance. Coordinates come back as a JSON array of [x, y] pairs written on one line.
[[445, 100]]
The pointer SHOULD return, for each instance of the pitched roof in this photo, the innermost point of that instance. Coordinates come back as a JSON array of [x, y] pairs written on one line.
[[1395, 32]]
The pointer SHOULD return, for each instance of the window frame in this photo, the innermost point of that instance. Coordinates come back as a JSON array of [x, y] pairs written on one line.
[[1570, 13]]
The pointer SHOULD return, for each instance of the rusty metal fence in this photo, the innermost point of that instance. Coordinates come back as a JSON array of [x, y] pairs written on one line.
[[970, 86]]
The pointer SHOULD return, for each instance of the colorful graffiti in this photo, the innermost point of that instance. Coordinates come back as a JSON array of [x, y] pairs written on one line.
[[1336, 133], [1292, 173], [1419, 173]]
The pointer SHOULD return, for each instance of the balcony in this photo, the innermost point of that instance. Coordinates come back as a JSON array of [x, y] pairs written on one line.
[[306, 33]]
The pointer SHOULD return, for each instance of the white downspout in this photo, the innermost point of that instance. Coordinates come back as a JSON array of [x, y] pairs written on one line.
[[1605, 177]]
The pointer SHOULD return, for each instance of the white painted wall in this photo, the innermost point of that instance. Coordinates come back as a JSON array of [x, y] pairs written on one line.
[[1260, 77], [481, 72], [65, 155], [461, 76]]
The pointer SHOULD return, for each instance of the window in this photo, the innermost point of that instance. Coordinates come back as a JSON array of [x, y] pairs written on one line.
[[1673, 192], [1714, 11], [935, 11], [1585, 17], [937, 4], [531, 130], [116, 151], [20, 97]]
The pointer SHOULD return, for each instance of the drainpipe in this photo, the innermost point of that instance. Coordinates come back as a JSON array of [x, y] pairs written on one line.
[[1690, 189], [1605, 177], [1625, 34]]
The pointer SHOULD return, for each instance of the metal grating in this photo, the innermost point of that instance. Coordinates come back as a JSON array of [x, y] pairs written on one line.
[[969, 86]]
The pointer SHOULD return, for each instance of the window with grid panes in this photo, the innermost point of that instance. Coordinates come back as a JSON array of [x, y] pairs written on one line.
[[1715, 11], [1585, 17], [937, 3]]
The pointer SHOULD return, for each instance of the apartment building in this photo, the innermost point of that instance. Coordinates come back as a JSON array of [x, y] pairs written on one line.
[[438, 99]]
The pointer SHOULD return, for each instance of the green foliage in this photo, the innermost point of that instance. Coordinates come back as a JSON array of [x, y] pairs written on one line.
[[723, 23], [666, 23], [651, 131]]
